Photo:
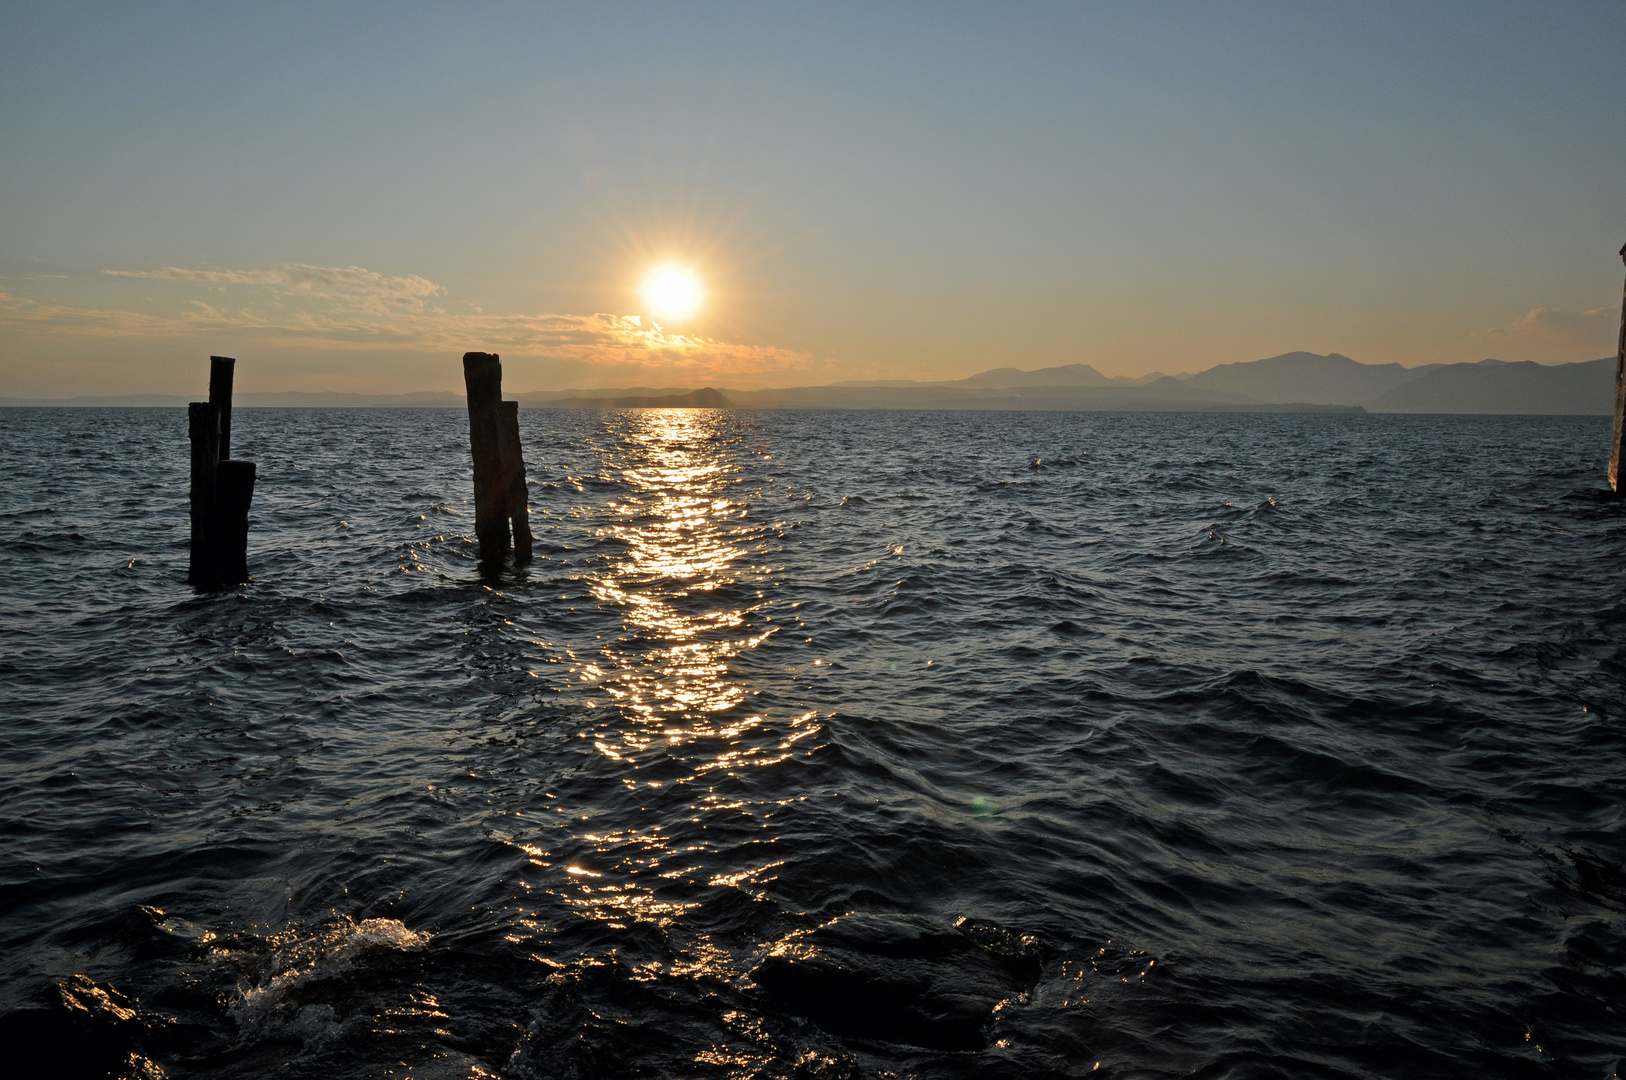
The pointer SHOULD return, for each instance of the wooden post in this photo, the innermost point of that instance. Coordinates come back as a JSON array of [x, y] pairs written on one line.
[[220, 376], [482, 375], [519, 500], [203, 428], [221, 488], [1620, 394], [234, 489]]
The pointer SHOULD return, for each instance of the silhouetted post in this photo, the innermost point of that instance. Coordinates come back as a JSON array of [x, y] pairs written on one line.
[[234, 490], [1620, 394], [220, 375], [513, 463], [203, 427], [482, 375], [221, 488]]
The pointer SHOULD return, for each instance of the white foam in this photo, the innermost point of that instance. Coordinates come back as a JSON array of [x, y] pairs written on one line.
[[299, 959]]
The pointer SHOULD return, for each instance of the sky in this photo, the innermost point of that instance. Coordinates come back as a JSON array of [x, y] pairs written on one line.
[[348, 197]]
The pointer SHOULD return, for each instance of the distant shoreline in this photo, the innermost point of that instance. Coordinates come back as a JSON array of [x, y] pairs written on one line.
[[1290, 383], [611, 403]]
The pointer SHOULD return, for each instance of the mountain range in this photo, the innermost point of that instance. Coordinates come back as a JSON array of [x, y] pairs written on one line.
[[1292, 382], [1296, 382]]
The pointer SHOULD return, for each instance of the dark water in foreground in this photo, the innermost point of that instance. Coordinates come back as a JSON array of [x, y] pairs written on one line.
[[1213, 745]]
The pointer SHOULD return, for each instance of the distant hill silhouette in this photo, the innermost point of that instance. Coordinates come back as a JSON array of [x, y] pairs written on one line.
[[707, 398], [1495, 386], [1296, 381], [1069, 375], [1302, 376], [1162, 395]]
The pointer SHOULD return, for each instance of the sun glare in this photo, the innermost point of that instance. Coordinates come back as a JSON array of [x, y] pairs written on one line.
[[672, 292]]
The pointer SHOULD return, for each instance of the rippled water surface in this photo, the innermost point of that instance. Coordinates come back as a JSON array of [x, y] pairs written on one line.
[[819, 745]]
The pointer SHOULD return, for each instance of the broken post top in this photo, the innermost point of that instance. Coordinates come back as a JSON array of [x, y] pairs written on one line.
[[221, 369], [482, 374]]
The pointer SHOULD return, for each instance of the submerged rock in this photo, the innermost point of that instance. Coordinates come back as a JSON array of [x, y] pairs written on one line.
[[899, 978], [85, 1029]]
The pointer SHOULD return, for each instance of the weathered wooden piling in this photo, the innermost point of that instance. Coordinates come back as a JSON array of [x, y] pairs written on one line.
[[234, 490], [499, 465], [519, 499], [221, 369], [1620, 393], [482, 377], [222, 488], [203, 427]]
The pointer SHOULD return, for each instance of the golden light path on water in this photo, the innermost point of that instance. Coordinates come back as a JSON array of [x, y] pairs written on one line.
[[683, 535], [671, 717]]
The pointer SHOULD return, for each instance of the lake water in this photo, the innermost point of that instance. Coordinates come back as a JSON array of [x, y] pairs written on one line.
[[819, 744]]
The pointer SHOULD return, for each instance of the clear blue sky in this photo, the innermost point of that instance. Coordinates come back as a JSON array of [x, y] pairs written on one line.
[[348, 198]]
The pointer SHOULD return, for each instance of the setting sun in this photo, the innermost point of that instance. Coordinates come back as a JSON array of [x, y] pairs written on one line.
[[672, 292]]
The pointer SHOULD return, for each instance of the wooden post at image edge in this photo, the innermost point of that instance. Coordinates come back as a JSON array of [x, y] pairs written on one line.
[[222, 488], [1620, 394], [500, 498]]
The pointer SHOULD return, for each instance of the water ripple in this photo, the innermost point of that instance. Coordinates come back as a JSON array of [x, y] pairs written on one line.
[[820, 745]]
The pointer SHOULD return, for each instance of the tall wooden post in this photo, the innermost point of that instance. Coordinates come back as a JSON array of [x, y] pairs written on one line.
[[220, 378], [519, 499], [500, 497], [1620, 394], [234, 490], [203, 428], [482, 376], [222, 488]]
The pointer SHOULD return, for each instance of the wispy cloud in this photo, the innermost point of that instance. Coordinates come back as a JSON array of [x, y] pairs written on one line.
[[1557, 334], [355, 310], [1557, 320], [354, 285], [20, 313]]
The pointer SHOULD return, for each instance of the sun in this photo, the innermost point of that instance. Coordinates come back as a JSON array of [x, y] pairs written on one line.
[[672, 292]]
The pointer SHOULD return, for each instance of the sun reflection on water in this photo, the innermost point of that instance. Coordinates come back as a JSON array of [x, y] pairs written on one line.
[[677, 582], [672, 724]]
